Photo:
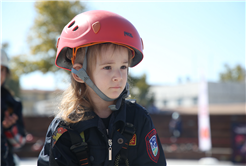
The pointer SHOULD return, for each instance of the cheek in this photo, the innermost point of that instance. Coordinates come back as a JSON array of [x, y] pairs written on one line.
[[125, 76], [99, 78], [125, 73]]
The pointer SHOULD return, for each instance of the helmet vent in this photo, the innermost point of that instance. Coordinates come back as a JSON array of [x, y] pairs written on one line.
[[72, 23], [74, 29]]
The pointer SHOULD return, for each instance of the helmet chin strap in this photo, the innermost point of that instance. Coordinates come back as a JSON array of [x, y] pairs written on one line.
[[81, 73]]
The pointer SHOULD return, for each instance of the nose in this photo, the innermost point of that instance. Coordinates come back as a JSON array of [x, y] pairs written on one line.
[[117, 75]]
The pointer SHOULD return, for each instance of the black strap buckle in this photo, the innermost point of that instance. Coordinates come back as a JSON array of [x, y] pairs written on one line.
[[80, 149], [129, 129], [82, 146]]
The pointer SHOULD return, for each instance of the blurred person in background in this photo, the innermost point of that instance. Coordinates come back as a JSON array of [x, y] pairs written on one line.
[[12, 128], [175, 125], [152, 109], [4, 148]]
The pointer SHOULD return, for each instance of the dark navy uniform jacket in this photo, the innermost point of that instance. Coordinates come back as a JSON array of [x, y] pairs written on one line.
[[144, 148]]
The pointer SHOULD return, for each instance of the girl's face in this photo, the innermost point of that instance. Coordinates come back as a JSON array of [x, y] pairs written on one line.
[[3, 74], [110, 71]]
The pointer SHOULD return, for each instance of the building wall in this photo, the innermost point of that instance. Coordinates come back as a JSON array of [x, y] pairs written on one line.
[[31, 98], [226, 93], [186, 95]]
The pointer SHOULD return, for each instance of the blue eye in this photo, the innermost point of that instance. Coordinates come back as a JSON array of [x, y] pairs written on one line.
[[123, 67], [107, 67]]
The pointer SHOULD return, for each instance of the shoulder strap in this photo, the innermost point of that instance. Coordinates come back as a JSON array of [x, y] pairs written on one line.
[[128, 132], [79, 147]]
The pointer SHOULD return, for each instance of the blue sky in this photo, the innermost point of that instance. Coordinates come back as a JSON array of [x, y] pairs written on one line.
[[181, 39]]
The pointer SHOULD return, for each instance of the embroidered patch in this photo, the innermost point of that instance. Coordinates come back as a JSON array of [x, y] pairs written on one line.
[[152, 145], [57, 134], [133, 141]]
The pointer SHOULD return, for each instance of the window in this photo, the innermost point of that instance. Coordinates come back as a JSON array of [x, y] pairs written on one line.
[[195, 100], [179, 101], [165, 102]]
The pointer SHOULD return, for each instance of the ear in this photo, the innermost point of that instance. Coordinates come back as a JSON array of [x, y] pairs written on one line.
[[77, 66]]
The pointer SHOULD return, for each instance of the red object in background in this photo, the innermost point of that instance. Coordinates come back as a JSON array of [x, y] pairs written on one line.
[[29, 137]]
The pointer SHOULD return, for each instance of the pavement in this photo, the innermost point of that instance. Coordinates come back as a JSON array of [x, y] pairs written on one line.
[[173, 162]]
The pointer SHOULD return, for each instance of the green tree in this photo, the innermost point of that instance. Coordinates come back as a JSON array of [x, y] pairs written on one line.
[[139, 90], [234, 74], [50, 19]]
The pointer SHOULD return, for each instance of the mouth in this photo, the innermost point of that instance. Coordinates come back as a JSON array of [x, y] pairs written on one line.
[[116, 87]]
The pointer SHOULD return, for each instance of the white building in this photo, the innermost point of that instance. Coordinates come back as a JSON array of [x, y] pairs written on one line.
[[185, 96], [40, 102]]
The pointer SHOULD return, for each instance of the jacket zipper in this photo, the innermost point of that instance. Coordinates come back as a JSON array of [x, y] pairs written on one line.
[[110, 143], [109, 149]]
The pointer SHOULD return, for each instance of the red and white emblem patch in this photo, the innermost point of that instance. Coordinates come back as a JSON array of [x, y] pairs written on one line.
[[152, 145]]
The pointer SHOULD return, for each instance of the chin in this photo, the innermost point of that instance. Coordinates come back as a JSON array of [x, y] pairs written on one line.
[[114, 95]]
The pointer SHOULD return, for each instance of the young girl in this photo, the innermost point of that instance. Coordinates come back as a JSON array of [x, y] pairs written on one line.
[[95, 124]]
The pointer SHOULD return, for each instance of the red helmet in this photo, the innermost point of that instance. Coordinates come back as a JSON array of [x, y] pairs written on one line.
[[94, 27]]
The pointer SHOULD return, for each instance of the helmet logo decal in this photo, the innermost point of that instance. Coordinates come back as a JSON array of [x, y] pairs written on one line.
[[128, 34], [96, 26]]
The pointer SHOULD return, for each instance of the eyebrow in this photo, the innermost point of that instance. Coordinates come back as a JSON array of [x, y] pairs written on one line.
[[110, 62]]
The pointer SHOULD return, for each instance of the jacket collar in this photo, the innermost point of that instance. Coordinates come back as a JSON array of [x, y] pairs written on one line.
[[118, 116]]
